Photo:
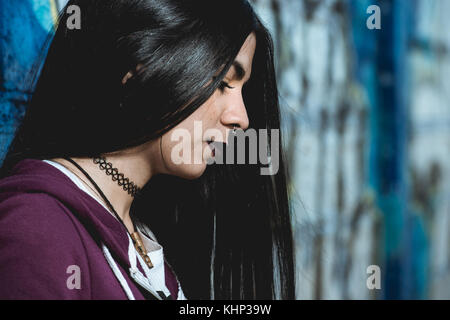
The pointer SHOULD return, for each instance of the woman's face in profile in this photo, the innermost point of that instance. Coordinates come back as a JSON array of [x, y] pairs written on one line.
[[186, 149]]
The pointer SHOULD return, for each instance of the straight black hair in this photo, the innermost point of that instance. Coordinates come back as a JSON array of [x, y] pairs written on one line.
[[228, 234]]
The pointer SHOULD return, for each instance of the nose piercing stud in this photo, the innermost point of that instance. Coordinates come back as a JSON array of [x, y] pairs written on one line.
[[234, 130]]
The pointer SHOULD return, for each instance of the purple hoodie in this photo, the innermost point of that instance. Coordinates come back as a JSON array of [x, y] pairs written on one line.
[[47, 226]]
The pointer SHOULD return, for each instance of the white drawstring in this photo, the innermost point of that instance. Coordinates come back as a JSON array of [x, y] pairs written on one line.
[[117, 273], [136, 274], [143, 280]]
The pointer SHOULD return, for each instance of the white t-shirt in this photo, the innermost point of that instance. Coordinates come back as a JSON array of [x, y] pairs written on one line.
[[154, 249]]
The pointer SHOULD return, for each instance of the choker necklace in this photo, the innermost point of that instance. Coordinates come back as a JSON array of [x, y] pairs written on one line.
[[125, 183]]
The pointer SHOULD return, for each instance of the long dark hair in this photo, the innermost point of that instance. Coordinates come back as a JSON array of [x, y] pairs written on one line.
[[227, 234]]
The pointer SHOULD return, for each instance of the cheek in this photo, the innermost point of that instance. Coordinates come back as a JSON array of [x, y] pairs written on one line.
[[180, 156]]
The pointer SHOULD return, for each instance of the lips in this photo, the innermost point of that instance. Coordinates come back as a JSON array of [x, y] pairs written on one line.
[[211, 145], [216, 146]]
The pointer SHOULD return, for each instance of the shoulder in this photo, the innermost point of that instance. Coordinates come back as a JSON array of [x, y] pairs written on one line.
[[39, 245], [36, 214]]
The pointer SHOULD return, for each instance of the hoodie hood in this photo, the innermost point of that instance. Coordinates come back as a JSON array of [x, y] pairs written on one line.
[[36, 176]]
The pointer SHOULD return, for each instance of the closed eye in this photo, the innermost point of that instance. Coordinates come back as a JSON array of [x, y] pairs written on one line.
[[224, 85]]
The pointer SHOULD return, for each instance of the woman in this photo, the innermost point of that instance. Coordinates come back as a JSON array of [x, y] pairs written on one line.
[[92, 175]]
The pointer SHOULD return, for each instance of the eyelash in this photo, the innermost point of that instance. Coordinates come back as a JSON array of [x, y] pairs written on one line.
[[224, 85]]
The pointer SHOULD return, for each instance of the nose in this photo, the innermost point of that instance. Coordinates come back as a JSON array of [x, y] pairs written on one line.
[[235, 113]]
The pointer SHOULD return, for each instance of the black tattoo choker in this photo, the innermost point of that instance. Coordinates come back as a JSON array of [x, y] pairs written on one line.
[[125, 183]]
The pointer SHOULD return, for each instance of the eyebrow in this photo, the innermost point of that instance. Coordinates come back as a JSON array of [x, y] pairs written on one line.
[[239, 71]]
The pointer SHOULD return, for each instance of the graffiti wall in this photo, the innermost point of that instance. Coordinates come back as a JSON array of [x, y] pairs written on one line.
[[368, 119]]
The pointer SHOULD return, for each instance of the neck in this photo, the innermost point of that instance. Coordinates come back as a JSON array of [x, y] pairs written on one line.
[[134, 164]]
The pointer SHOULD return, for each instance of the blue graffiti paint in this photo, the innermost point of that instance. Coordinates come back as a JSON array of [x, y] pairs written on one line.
[[24, 26], [381, 66]]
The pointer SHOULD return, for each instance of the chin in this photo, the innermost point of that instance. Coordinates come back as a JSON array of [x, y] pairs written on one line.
[[190, 172]]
